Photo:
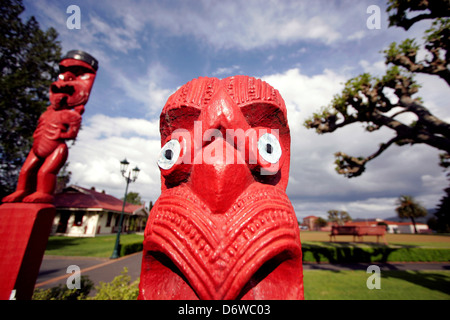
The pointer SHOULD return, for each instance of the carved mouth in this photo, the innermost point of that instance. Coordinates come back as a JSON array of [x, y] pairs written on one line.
[[242, 254], [69, 90]]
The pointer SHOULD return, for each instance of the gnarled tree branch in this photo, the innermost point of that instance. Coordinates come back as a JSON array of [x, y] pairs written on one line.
[[352, 166], [363, 98]]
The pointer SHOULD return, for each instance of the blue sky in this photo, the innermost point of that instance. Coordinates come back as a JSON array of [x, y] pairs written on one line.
[[305, 49]]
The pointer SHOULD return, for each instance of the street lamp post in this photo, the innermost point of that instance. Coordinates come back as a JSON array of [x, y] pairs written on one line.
[[123, 169]]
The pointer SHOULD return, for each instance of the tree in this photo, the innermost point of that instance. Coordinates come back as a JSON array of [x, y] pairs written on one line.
[[441, 220], [320, 223], [29, 60], [365, 99], [384, 224], [338, 217], [408, 207], [133, 198], [63, 178]]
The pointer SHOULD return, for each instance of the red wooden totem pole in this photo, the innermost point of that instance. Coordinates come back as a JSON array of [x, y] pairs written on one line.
[[223, 227], [59, 123], [27, 214]]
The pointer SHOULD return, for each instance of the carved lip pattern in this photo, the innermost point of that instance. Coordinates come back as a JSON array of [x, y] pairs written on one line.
[[218, 254]]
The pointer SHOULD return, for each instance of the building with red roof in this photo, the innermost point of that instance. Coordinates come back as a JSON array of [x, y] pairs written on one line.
[[310, 223], [85, 212]]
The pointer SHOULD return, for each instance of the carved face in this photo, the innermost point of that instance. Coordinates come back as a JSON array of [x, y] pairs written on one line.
[[74, 84], [223, 227]]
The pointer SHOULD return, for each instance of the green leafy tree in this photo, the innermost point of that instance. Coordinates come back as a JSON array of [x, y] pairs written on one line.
[[408, 207], [366, 99], [442, 215], [441, 220], [320, 222], [384, 224], [29, 60], [338, 217], [133, 198]]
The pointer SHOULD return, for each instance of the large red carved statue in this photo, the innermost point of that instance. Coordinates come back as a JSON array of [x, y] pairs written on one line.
[[223, 227], [59, 123]]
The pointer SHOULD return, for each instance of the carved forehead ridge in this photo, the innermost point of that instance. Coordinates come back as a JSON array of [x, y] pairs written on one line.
[[243, 90]]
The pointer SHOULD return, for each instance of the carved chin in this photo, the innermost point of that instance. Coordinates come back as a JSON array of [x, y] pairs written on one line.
[[59, 100], [252, 251]]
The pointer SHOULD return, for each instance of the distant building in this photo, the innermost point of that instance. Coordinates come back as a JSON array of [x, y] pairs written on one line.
[[310, 223], [393, 226], [84, 212]]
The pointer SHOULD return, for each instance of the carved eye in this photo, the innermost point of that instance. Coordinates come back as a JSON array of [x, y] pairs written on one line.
[[169, 154], [61, 76], [84, 76], [269, 148]]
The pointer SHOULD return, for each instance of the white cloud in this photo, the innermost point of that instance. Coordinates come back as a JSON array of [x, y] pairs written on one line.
[[377, 68], [246, 24], [358, 35], [100, 126], [435, 94], [224, 71], [103, 142], [145, 89], [303, 94], [121, 39]]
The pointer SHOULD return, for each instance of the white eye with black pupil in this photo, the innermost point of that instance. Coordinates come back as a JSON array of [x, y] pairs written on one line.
[[169, 154], [269, 148]]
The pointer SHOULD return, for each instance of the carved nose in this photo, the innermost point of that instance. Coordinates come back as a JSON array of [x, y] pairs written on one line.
[[222, 113], [216, 179]]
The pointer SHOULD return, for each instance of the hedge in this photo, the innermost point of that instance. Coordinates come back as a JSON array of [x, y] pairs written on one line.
[[129, 248], [349, 254]]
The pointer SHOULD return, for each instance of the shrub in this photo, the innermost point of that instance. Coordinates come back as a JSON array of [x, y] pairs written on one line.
[[61, 292], [120, 288]]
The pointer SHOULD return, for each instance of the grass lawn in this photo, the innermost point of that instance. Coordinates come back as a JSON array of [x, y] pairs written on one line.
[[395, 285], [401, 248], [319, 284], [413, 240], [101, 246]]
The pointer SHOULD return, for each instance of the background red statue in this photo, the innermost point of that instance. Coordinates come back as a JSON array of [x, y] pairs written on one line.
[[27, 216], [223, 227], [60, 122]]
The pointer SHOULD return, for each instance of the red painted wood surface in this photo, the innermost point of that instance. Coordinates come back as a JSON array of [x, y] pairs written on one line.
[[24, 231], [223, 227]]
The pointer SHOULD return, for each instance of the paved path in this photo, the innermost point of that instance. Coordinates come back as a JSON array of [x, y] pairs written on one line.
[[53, 269]]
